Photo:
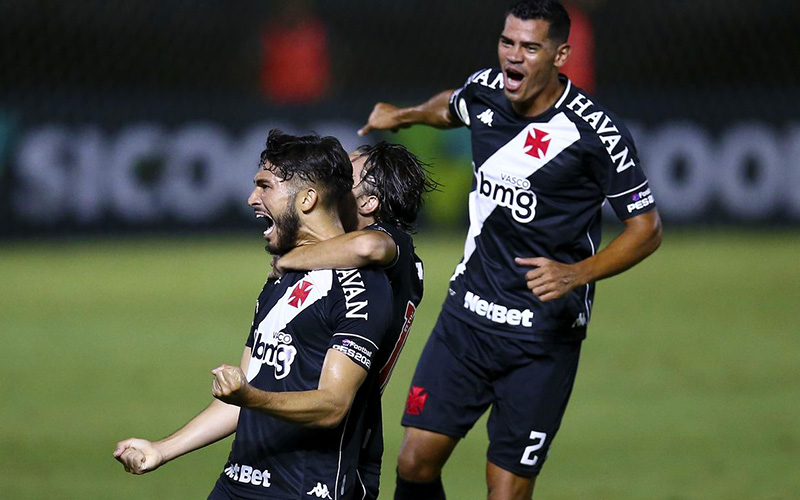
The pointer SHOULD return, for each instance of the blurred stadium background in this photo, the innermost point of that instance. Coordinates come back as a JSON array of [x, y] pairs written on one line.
[[129, 134]]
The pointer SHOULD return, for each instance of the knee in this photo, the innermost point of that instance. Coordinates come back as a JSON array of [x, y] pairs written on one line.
[[416, 466]]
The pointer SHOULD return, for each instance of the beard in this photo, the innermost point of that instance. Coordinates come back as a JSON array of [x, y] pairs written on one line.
[[287, 226]]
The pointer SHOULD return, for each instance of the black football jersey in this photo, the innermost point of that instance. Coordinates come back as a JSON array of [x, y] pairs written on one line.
[[538, 190], [405, 276], [297, 319]]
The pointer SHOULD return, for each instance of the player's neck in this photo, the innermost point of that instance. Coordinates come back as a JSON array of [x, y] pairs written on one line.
[[365, 221], [319, 228], [543, 101]]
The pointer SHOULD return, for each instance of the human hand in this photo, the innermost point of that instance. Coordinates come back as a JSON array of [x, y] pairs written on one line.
[[230, 384], [383, 117], [550, 280], [138, 456]]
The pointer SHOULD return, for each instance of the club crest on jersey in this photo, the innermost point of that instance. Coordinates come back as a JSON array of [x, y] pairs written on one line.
[[300, 293], [537, 143], [275, 350]]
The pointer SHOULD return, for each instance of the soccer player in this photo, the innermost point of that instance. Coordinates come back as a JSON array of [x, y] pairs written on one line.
[[389, 182], [298, 401], [546, 157]]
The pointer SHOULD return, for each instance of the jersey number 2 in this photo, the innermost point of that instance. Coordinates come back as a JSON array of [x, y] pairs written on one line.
[[528, 456]]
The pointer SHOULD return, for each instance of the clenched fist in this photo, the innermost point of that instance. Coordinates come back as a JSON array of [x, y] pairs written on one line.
[[138, 456], [230, 385]]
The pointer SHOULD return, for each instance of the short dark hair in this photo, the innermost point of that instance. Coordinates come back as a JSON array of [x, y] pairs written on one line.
[[398, 179], [548, 10], [321, 161]]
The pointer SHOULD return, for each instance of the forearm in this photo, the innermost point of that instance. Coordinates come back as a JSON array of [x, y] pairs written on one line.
[[637, 241], [317, 408], [434, 112], [350, 250], [216, 422]]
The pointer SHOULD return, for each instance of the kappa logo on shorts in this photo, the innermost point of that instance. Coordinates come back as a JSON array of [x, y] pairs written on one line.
[[415, 404], [320, 491]]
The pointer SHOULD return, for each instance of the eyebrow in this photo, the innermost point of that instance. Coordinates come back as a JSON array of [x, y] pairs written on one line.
[[504, 38]]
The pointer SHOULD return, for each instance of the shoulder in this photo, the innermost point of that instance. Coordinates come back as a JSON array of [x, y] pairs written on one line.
[[484, 81], [590, 115], [362, 294], [363, 279], [484, 85], [397, 234], [384, 228]]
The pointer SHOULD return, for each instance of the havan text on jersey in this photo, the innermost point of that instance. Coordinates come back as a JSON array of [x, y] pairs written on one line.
[[353, 286], [608, 133]]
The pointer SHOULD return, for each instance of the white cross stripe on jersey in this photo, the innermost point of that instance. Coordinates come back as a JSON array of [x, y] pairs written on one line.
[[506, 174], [282, 314]]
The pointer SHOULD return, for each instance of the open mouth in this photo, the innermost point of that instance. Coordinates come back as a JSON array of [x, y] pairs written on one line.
[[513, 79], [270, 223]]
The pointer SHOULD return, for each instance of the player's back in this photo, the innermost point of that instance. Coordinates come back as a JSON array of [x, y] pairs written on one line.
[[405, 276]]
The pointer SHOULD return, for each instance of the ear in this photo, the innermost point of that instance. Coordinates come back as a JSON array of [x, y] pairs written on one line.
[[562, 54], [367, 205], [307, 199]]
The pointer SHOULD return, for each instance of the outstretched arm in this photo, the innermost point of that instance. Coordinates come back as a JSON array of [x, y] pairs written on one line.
[[216, 422], [349, 250], [434, 112], [325, 406], [551, 280]]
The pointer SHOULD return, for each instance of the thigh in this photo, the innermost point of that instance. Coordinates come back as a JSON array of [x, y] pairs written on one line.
[[530, 403], [449, 390]]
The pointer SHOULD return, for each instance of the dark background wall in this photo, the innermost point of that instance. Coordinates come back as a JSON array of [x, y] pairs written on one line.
[[710, 88]]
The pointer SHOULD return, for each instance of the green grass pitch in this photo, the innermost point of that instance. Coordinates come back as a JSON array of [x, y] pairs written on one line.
[[689, 385]]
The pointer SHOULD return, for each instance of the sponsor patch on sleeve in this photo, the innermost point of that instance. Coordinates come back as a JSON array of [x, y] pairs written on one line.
[[359, 349]]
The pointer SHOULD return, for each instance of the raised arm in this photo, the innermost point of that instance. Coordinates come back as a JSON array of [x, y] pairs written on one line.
[[349, 250], [217, 421], [434, 112], [324, 407], [551, 280]]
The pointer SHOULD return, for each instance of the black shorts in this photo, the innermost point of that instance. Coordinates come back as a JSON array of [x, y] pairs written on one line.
[[370, 480], [222, 491], [462, 371]]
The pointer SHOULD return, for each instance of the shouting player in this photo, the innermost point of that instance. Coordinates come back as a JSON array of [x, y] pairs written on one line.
[[389, 182], [311, 363], [546, 157]]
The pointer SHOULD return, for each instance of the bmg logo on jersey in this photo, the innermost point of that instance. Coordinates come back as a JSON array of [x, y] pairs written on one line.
[[275, 350], [521, 201]]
